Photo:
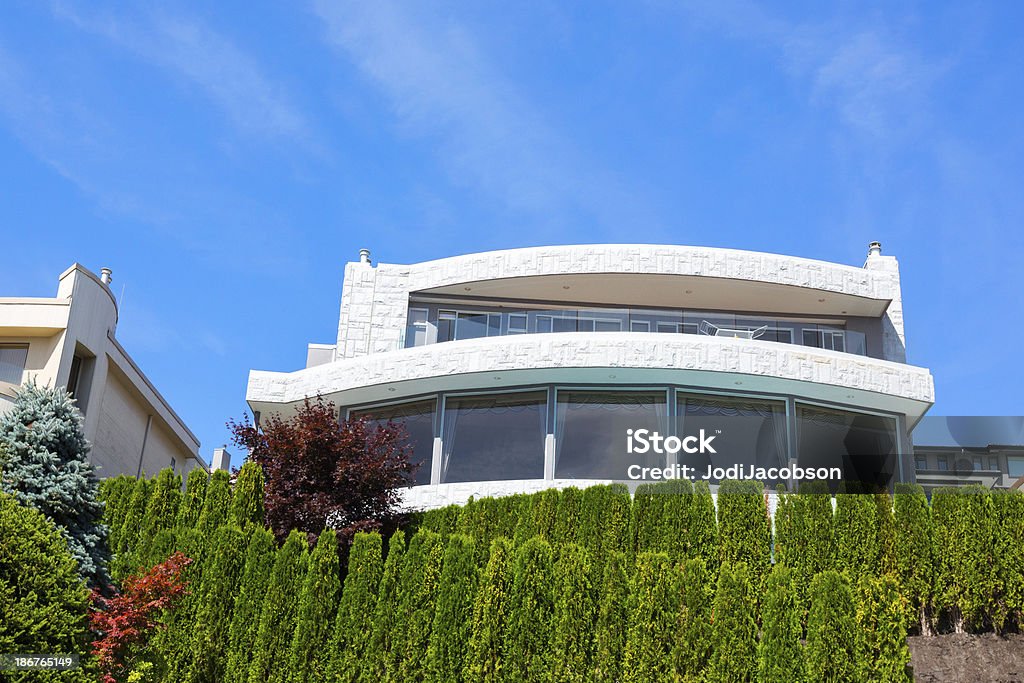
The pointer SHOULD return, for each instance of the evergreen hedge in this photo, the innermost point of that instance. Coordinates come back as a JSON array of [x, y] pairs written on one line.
[[693, 593], [881, 622], [779, 651], [744, 528], [914, 552], [160, 514], [385, 616], [526, 654], [964, 546], [734, 634], [492, 604], [574, 617], [652, 617], [269, 654], [192, 502], [453, 617], [354, 624], [418, 589], [316, 612], [247, 496], [612, 620], [43, 600], [245, 618], [1008, 509], [856, 534], [832, 636]]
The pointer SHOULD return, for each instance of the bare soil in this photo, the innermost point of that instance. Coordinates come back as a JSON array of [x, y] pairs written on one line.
[[958, 657]]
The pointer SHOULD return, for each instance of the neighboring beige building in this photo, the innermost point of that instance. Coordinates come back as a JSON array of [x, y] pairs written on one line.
[[69, 340]]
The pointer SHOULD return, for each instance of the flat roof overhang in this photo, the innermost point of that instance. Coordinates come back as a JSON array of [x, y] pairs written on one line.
[[611, 359], [650, 290]]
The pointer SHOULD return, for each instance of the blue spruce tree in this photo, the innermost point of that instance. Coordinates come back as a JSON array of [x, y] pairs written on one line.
[[45, 466]]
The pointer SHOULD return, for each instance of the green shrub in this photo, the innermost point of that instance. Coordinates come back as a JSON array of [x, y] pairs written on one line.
[[195, 495], [645, 519], [612, 619], [160, 548], [216, 602], [914, 552], [574, 616], [128, 535], [528, 638], [453, 617], [703, 531], [569, 515], [744, 528], [648, 654], [161, 512], [538, 516], [692, 595], [885, 525], [881, 618], [1008, 507], [216, 503], [115, 493], [43, 601], [779, 652], [832, 644], [354, 623], [385, 615], [444, 521], [46, 466], [277, 616], [247, 498], [734, 634], [318, 602], [417, 598], [245, 618], [484, 661], [964, 546], [856, 534], [804, 537]]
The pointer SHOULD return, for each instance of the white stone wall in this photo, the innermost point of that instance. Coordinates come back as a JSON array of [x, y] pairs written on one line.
[[894, 341], [441, 495], [375, 298], [597, 350]]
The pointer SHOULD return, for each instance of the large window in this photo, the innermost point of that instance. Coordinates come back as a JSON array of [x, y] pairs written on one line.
[[494, 437], [12, 363], [417, 422], [1015, 466], [746, 431], [453, 322], [590, 432], [863, 446]]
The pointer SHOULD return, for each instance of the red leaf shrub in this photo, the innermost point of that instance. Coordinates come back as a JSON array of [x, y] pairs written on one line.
[[126, 620], [324, 472]]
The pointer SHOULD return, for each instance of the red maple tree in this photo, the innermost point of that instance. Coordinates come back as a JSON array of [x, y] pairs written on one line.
[[127, 619], [321, 471]]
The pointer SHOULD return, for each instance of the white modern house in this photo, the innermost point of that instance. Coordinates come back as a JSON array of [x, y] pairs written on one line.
[[521, 369], [69, 340]]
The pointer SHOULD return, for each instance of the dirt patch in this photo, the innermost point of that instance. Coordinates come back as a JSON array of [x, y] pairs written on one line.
[[958, 657]]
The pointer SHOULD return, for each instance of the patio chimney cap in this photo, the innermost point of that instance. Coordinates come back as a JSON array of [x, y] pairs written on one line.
[[106, 275], [364, 256], [875, 249]]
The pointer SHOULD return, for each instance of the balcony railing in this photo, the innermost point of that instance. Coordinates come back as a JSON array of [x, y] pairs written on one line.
[[432, 324]]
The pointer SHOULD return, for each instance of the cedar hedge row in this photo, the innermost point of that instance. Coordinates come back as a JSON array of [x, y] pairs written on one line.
[[580, 585]]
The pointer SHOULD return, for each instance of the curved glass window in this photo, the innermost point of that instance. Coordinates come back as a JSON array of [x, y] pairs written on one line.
[[417, 421], [494, 437], [863, 446], [746, 431], [590, 432]]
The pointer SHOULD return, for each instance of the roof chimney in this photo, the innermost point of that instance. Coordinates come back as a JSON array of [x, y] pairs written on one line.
[[875, 249], [221, 459], [105, 275], [364, 256]]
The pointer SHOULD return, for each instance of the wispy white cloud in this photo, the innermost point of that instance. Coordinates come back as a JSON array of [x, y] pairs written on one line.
[[192, 50], [876, 83], [442, 86]]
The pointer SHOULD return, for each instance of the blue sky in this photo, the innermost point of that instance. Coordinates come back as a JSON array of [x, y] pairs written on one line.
[[227, 159]]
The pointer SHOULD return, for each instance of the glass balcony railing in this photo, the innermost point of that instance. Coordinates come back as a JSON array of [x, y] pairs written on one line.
[[434, 324]]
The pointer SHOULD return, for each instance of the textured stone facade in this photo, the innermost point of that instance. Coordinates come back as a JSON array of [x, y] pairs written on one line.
[[597, 350], [375, 298]]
